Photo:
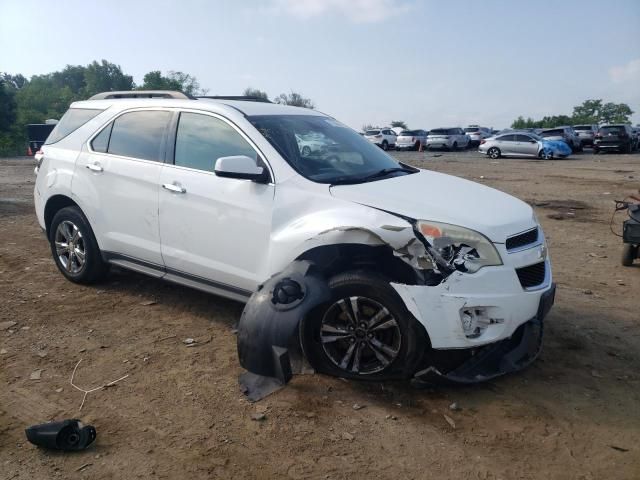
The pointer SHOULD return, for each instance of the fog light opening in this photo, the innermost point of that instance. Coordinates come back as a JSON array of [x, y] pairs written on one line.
[[476, 320]]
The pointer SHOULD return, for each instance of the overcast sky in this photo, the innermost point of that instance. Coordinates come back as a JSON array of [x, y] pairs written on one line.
[[430, 63]]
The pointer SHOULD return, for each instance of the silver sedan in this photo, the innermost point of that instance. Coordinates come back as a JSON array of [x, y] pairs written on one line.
[[512, 145]]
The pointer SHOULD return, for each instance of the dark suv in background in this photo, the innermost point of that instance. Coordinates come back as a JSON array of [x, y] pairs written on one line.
[[617, 137]]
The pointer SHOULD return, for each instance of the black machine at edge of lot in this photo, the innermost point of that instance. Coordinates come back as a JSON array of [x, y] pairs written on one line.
[[630, 232], [37, 133]]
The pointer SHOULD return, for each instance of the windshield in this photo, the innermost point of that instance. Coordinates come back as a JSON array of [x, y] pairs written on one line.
[[339, 156]]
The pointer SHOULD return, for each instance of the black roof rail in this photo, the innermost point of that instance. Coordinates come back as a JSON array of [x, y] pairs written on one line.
[[141, 94], [244, 98]]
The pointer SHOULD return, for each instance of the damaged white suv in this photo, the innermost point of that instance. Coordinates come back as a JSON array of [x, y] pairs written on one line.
[[379, 270]]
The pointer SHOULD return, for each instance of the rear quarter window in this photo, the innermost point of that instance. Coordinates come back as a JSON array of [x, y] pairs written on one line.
[[70, 122]]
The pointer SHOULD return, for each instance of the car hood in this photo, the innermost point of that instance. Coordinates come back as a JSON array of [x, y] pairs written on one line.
[[444, 198]]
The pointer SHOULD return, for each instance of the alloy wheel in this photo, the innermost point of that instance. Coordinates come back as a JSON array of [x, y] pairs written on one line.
[[359, 335], [70, 247]]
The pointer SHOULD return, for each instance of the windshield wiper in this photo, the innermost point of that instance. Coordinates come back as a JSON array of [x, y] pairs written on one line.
[[384, 172]]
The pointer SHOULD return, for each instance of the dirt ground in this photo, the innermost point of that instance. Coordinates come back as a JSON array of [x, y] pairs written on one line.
[[574, 414]]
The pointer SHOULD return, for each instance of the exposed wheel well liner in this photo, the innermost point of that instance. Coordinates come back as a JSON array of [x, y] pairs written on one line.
[[55, 204]]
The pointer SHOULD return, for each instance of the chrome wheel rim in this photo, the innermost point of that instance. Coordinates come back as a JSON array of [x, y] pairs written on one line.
[[494, 153], [306, 151], [360, 336], [70, 247]]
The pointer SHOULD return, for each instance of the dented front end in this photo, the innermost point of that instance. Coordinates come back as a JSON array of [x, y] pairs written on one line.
[[481, 303]]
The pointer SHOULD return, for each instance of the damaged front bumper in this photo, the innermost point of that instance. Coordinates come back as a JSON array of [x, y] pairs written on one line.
[[495, 359]]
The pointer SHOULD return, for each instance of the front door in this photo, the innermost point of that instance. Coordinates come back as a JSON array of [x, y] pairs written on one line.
[[213, 230]]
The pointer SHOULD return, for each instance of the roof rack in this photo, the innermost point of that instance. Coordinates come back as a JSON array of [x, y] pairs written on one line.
[[140, 94], [245, 98]]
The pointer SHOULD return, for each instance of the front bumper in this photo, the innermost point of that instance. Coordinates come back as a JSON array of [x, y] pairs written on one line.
[[506, 356]]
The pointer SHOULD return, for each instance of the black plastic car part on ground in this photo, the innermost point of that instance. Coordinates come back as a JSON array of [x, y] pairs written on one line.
[[66, 435], [268, 327], [496, 359]]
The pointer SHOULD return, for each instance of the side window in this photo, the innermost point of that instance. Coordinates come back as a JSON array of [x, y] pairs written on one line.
[[100, 142], [522, 138], [507, 138], [139, 134], [201, 140]]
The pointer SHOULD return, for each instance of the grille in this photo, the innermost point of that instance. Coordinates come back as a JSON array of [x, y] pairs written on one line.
[[522, 239], [532, 276]]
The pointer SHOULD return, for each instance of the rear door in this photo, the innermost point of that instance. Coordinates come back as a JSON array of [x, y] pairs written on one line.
[[214, 230], [117, 178], [506, 144]]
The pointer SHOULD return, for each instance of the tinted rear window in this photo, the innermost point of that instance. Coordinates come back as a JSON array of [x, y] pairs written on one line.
[[472, 129], [409, 133], [582, 127], [553, 133], [439, 131], [612, 130], [70, 122], [139, 134]]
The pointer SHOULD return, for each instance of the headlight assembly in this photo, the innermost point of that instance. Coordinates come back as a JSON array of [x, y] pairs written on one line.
[[458, 247]]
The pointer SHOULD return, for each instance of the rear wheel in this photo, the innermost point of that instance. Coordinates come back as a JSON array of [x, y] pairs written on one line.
[[454, 147], [494, 152], [74, 247], [629, 254], [385, 145], [365, 332], [416, 146], [306, 151]]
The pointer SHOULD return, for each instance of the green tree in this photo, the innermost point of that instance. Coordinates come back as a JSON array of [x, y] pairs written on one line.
[[399, 124], [367, 126], [254, 92], [615, 113], [294, 99], [105, 77], [180, 81], [588, 112]]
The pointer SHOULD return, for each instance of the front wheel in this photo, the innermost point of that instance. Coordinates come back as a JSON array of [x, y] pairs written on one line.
[[629, 254], [365, 332], [494, 153], [306, 151], [74, 247]]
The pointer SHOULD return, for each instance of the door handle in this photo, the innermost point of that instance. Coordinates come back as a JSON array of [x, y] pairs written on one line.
[[94, 167], [172, 187]]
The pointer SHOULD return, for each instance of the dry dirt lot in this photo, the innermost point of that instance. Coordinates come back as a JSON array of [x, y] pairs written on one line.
[[574, 414]]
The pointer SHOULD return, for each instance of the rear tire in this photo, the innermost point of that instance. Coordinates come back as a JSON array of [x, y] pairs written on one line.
[[494, 153], [74, 247], [387, 348], [385, 145], [454, 147], [629, 254]]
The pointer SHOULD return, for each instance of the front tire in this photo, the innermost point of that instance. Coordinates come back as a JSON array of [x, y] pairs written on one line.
[[494, 153], [365, 332], [74, 247], [306, 151]]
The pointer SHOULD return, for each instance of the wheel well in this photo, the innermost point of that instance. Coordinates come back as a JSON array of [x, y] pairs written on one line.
[[55, 204], [333, 259]]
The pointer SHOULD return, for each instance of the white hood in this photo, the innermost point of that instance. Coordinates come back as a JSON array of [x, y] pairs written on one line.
[[444, 198]]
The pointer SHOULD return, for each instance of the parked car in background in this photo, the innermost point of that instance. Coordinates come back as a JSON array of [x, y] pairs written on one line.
[[477, 134], [636, 136], [411, 139], [449, 138], [308, 145], [37, 133], [586, 133], [385, 138], [618, 137], [523, 144], [566, 134]]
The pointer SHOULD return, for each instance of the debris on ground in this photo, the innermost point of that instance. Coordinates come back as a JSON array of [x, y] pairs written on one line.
[[357, 406], [7, 325], [189, 341], [148, 303], [36, 374], [450, 421], [66, 435], [258, 416], [454, 407], [347, 436]]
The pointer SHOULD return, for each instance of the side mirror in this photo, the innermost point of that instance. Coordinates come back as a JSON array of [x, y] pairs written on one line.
[[241, 167]]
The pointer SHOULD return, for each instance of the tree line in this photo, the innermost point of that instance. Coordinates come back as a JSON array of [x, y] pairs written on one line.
[[47, 96], [590, 112]]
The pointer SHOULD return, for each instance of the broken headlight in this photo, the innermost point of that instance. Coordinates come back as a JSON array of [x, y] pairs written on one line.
[[458, 247]]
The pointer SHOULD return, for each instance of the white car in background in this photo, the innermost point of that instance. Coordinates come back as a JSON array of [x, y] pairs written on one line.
[[309, 145], [411, 139], [449, 138], [385, 138], [372, 268], [477, 134]]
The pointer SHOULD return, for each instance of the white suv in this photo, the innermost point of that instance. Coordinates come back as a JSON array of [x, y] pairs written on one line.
[[385, 138], [449, 138], [377, 269]]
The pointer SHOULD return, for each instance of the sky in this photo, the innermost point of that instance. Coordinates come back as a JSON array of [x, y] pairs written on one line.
[[429, 63]]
